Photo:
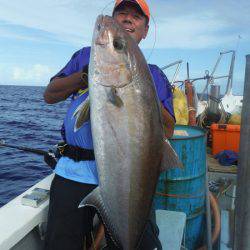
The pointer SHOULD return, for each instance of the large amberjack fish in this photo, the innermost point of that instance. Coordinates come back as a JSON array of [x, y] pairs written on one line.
[[128, 134]]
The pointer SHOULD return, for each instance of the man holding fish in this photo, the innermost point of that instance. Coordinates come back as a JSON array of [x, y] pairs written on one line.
[[128, 101]]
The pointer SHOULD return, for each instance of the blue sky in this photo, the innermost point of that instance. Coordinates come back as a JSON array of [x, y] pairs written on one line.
[[37, 38]]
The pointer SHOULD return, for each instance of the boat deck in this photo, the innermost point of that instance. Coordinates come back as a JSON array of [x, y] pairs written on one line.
[[214, 166]]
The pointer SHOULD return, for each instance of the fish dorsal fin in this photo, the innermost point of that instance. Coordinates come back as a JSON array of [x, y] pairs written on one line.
[[169, 158], [82, 114], [94, 199]]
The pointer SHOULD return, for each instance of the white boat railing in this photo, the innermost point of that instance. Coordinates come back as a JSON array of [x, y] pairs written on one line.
[[18, 220]]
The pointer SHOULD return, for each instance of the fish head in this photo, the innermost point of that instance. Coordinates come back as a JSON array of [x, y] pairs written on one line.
[[114, 53]]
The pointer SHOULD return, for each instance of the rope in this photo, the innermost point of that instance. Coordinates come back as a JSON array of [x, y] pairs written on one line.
[[185, 196], [191, 109]]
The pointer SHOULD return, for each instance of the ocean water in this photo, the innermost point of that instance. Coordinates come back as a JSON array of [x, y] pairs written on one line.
[[26, 120]]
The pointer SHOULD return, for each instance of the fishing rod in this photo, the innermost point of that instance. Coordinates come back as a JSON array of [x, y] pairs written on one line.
[[50, 157], [26, 149]]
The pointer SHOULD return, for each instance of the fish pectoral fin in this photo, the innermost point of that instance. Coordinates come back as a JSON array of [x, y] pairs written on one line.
[[114, 98], [82, 114], [94, 199], [169, 158]]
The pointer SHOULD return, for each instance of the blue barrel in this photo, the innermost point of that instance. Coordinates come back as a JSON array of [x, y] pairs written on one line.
[[184, 189]]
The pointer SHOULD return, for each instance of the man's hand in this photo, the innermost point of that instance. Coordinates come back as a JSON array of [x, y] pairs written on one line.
[[168, 122]]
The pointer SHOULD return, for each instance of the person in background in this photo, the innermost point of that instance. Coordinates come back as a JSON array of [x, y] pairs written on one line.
[[76, 172]]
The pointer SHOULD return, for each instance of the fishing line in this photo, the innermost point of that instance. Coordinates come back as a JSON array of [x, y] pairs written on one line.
[[155, 33], [107, 5]]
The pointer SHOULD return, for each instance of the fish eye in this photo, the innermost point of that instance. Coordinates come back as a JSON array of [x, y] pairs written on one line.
[[118, 44], [98, 26]]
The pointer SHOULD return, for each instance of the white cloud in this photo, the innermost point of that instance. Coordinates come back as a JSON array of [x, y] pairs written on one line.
[[63, 19], [180, 24], [200, 24], [190, 31], [37, 73]]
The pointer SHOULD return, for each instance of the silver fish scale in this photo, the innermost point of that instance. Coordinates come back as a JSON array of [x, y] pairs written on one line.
[[128, 145]]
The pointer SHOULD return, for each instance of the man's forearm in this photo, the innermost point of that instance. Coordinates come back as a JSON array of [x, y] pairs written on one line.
[[168, 122], [60, 89]]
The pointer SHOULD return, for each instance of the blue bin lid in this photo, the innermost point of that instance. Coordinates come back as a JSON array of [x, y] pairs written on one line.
[[182, 132]]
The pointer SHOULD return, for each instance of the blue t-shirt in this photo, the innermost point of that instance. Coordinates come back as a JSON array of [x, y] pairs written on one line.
[[86, 171]]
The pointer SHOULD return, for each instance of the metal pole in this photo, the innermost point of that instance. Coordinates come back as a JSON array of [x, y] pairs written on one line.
[[171, 64], [176, 73], [188, 76], [226, 52], [230, 77], [242, 213], [208, 215], [219, 77], [213, 103]]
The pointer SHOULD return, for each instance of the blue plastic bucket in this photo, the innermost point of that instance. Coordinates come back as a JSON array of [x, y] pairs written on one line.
[[184, 189]]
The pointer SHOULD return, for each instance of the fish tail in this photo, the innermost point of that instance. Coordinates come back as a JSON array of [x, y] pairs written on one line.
[[94, 199]]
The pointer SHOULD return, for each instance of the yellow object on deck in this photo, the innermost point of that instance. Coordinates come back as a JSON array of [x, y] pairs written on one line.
[[235, 119], [180, 107]]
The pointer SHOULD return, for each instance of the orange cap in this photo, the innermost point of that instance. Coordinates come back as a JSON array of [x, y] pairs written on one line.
[[142, 4]]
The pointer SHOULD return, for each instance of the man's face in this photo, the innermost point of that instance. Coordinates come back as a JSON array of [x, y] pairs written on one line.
[[132, 20]]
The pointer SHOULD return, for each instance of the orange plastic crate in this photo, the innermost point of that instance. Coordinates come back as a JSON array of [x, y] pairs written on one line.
[[225, 137]]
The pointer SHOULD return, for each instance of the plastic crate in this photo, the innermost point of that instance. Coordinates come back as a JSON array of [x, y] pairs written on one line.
[[225, 137]]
